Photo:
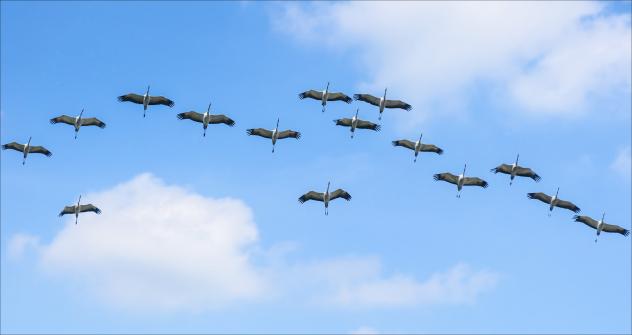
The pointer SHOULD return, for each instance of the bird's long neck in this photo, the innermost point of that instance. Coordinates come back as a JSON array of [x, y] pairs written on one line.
[[327, 191], [29, 142], [80, 114], [356, 114], [327, 88], [277, 126], [79, 201], [556, 192], [419, 141], [602, 217], [208, 110], [516, 163], [384, 97], [463, 174], [147, 92]]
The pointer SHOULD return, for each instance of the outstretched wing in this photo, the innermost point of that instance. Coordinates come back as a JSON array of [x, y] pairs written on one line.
[[397, 104], [502, 168], [338, 96], [311, 195], [193, 116], [221, 118], [89, 208], [450, 178], [260, 132], [63, 119], [367, 98], [474, 181], [289, 133], [404, 143], [610, 228], [343, 122], [340, 193], [568, 205], [316, 95], [540, 196], [13, 146], [431, 148], [586, 220], [67, 210], [368, 125], [132, 97], [40, 150], [160, 100], [526, 172], [92, 121]]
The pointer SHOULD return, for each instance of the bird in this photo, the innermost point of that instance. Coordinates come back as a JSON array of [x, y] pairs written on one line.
[[27, 149], [601, 225], [325, 96], [78, 121], [274, 134], [146, 100], [418, 147], [206, 118], [514, 170], [325, 197], [76, 209], [354, 123], [460, 180], [382, 102], [554, 201]]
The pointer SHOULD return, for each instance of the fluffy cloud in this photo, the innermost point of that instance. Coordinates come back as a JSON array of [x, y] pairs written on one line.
[[20, 243], [548, 58], [622, 164]]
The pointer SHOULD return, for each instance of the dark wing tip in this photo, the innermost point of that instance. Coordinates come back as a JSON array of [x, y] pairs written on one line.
[[440, 151], [626, 232], [348, 99], [408, 107], [121, 98], [48, 154], [249, 131], [170, 103], [102, 125], [5, 147], [378, 127], [302, 199], [576, 218], [576, 209], [394, 143], [97, 210], [298, 135], [530, 195], [301, 95], [485, 184], [536, 178], [180, 116], [356, 97], [436, 176], [494, 170], [336, 121], [53, 121], [61, 214]]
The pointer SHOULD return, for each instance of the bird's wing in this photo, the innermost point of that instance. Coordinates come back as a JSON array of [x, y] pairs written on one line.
[[289, 133], [67, 210], [89, 208], [63, 119], [194, 116], [540, 196], [610, 228], [526, 172], [397, 104], [343, 122], [367, 98], [40, 150], [92, 121], [311, 94], [568, 205], [431, 148], [13, 146], [260, 132], [474, 181], [368, 125], [221, 118], [447, 176], [132, 97], [311, 195], [404, 143], [502, 168], [339, 96], [586, 220], [340, 193], [160, 100]]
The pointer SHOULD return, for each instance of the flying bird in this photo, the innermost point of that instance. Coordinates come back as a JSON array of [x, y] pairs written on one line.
[[460, 180], [206, 118], [554, 201], [325, 197], [78, 121], [78, 208], [146, 100], [325, 96], [274, 134], [354, 123], [418, 147], [26, 149], [382, 102], [514, 170], [601, 225]]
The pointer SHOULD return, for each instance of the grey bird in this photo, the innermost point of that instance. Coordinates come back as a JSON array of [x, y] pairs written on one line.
[[206, 118], [325, 96], [382, 102], [146, 100], [460, 180], [514, 170], [78, 121], [554, 201], [78, 208], [600, 225], [274, 134], [418, 147], [325, 197], [26, 149], [355, 123]]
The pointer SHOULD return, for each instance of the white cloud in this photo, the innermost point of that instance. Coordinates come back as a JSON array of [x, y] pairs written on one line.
[[545, 57], [622, 164], [19, 244]]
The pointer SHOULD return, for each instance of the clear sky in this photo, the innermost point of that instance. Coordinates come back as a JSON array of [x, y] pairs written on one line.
[[205, 234]]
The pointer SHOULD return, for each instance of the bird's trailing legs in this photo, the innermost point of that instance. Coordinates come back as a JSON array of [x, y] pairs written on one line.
[[204, 134]]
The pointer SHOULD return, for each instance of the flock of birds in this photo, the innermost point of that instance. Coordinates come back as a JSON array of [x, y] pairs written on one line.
[[354, 123]]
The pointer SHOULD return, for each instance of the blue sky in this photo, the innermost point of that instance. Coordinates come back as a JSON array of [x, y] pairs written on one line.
[[404, 255]]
